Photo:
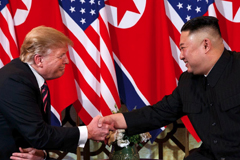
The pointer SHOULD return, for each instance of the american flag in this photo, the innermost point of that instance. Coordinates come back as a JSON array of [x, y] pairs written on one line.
[[92, 58], [8, 43]]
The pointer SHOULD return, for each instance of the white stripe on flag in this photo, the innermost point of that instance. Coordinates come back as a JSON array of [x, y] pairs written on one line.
[[56, 114], [87, 74], [5, 43], [87, 105], [176, 54], [1, 63], [107, 96], [8, 17]]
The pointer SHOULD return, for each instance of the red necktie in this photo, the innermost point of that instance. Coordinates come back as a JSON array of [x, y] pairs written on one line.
[[45, 96]]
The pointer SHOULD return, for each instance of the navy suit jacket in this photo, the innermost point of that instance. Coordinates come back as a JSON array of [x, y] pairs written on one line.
[[23, 122]]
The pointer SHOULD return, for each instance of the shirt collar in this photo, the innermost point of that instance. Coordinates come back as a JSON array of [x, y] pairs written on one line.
[[218, 68], [40, 79]]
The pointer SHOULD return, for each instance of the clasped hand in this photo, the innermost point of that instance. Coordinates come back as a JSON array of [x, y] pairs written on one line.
[[99, 129]]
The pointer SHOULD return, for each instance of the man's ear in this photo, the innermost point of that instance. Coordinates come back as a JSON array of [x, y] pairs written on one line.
[[38, 59], [207, 44]]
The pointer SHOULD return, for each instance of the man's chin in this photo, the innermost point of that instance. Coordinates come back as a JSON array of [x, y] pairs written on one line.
[[189, 71]]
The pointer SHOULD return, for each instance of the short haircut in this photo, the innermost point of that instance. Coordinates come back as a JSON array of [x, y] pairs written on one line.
[[202, 22], [40, 40]]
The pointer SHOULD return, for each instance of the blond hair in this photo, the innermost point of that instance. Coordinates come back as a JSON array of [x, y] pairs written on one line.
[[40, 40]]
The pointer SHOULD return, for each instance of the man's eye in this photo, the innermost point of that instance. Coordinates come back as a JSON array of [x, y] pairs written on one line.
[[61, 56]]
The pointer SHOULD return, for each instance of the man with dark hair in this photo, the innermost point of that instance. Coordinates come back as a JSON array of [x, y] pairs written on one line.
[[208, 93]]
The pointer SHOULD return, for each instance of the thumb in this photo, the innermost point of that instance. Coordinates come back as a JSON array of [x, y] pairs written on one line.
[[100, 122], [111, 127], [25, 150]]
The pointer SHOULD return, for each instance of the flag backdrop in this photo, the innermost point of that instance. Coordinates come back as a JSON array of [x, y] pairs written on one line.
[[145, 38]]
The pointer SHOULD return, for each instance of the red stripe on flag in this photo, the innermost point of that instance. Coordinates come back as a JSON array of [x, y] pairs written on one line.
[[177, 69], [3, 56], [93, 36], [105, 110], [104, 34], [173, 32], [88, 91], [85, 117], [107, 77], [90, 63]]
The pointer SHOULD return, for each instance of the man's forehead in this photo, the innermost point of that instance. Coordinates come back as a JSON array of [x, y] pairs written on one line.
[[183, 37]]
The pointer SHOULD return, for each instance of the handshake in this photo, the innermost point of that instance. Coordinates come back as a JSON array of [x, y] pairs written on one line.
[[100, 126]]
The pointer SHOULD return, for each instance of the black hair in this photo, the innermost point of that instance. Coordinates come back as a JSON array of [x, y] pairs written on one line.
[[200, 23]]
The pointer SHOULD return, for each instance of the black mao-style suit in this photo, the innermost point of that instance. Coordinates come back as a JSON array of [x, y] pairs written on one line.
[[23, 122], [212, 104]]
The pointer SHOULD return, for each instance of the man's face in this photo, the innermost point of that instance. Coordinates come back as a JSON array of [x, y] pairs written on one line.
[[54, 63], [192, 52]]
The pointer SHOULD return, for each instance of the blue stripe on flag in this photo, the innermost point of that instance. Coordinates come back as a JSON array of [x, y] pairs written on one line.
[[54, 120], [130, 97], [3, 3]]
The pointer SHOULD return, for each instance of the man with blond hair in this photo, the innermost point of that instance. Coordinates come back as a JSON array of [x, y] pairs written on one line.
[[24, 117]]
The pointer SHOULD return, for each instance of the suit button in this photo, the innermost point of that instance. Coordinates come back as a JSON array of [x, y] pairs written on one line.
[[213, 124], [222, 158], [215, 141]]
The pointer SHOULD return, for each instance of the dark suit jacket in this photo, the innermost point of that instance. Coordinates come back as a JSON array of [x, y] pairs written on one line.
[[22, 120], [212, 105]]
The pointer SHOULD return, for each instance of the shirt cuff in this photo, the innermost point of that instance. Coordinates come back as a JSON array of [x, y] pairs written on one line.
[[83, 136]]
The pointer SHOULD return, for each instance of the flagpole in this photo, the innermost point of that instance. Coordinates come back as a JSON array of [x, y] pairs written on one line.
[[78, 148]]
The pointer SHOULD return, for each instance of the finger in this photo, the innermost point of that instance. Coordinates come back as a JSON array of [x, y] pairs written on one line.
[[25, 150], [20, 156], [21, 150], [100, 122], [110, 127]]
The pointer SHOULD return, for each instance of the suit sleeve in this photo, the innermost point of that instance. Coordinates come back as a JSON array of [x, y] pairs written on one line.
[[20, 105], [148, 118]]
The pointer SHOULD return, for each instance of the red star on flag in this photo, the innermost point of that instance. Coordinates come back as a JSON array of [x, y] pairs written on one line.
[[235, 6], [122, 7], [17, 4]]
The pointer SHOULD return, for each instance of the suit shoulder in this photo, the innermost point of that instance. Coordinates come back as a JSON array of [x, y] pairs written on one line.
[[17, 71], [185, 75]]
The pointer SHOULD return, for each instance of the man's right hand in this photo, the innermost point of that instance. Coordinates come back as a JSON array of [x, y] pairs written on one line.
[[96, 132]]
